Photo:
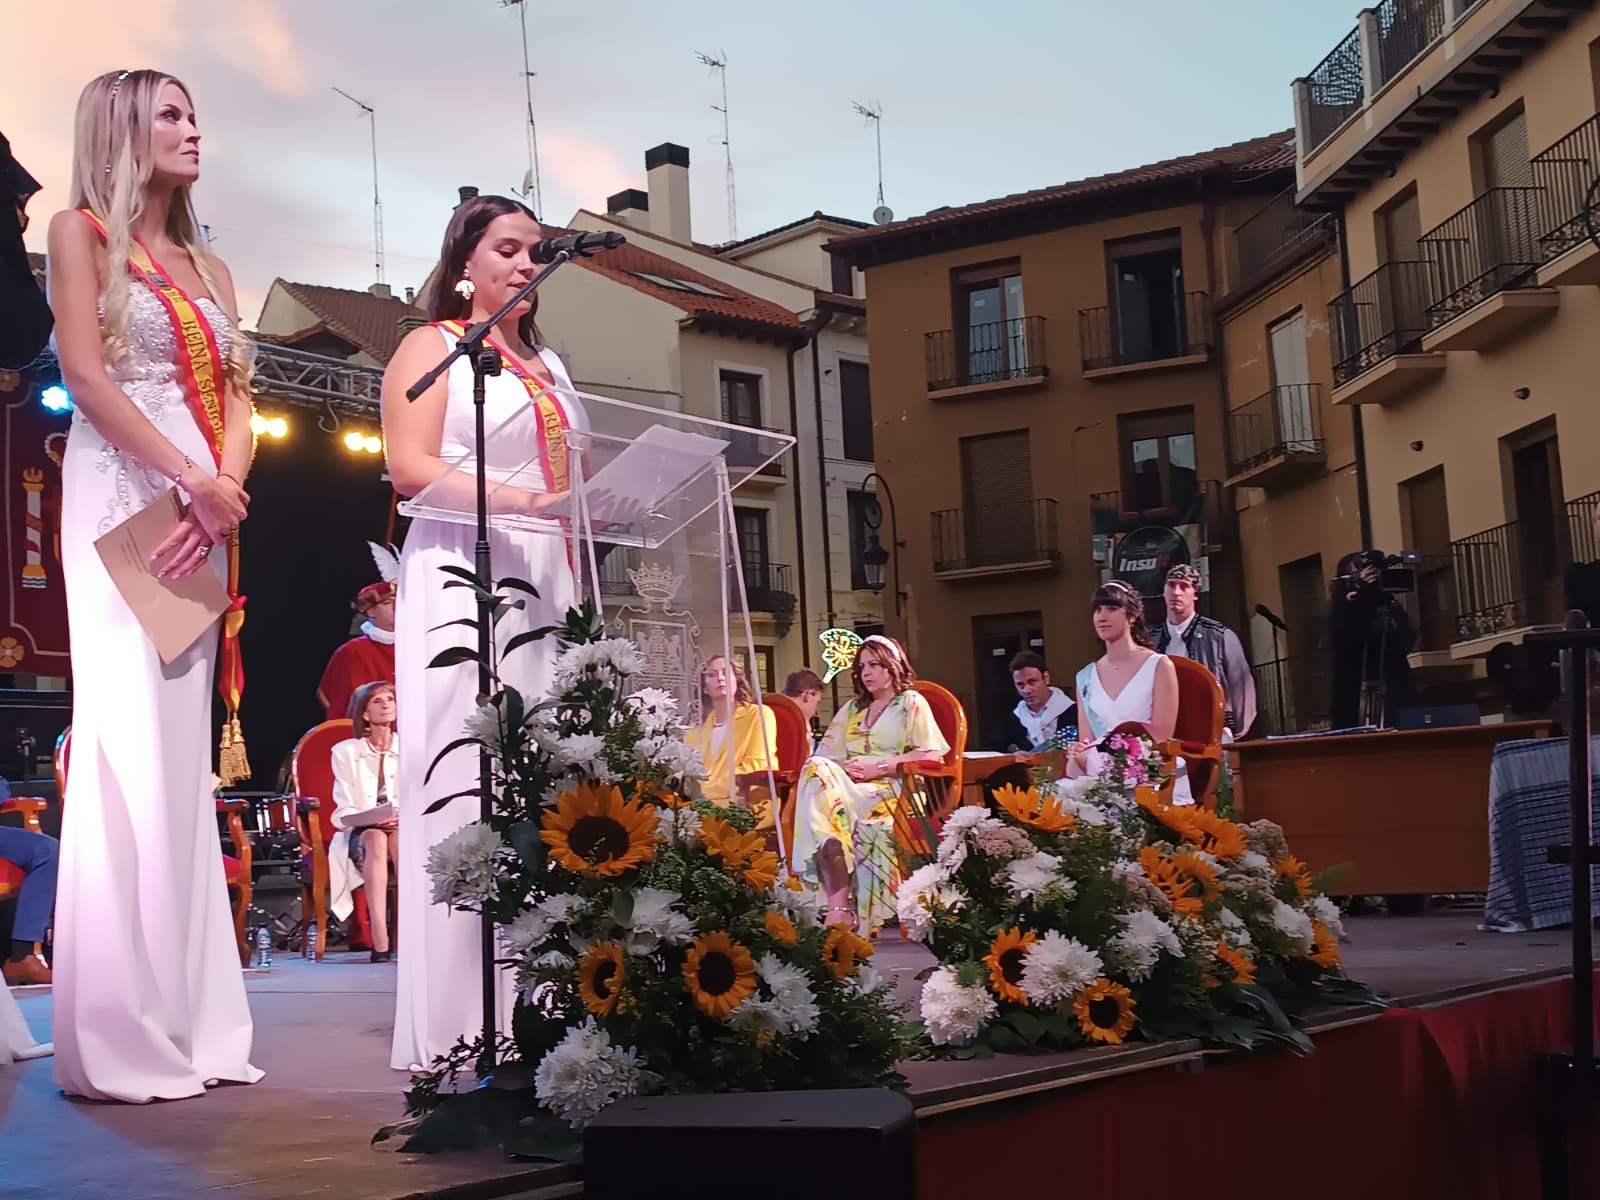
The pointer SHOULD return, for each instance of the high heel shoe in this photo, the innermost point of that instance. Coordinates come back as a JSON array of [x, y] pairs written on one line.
[[382, 956], [850, 919]]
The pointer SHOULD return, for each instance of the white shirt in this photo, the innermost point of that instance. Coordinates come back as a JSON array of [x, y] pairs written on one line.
[[1177, 646]]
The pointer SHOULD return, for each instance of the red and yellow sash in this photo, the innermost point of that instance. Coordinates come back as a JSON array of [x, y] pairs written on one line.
[[554, 453], [202, 372]]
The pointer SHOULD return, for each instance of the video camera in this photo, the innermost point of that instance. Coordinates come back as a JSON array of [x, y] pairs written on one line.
[[1397, 573]]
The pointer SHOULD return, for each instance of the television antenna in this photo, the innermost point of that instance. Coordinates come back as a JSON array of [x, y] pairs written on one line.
[[377, 204], [719, 63], [530, 180], [873, 112]]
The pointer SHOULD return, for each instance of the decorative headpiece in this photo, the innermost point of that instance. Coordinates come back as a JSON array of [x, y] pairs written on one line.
[[1184, 573], [373, 594], [112, 102], [839, 648], [888, 643]]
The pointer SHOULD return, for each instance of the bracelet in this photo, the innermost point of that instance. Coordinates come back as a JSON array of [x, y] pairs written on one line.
[[239, 483], [188, 465]]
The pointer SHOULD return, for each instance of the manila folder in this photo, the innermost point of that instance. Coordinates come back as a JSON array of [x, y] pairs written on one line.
[[174, 612]]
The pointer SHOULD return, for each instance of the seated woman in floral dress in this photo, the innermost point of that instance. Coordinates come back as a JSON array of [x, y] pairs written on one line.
[[843, 825]]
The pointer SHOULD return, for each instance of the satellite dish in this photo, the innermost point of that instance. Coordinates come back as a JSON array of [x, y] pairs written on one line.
[[527, 182], [882, 215]]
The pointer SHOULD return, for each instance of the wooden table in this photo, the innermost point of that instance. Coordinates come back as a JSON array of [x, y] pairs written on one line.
[[1407, 811], [977, 768]]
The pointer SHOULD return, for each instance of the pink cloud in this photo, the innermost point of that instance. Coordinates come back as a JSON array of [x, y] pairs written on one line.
[[258, 41], [583, 171]]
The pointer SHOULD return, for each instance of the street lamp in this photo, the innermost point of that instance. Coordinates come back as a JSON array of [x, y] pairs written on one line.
[[873, 556]]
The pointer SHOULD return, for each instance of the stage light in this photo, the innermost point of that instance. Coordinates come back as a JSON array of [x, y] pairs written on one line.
[[56, 399], [277, 427], [354, 440], [372, 444], [258, 424]]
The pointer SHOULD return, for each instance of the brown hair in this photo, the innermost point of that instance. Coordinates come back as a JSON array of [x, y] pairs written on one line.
[[358, 705], [1114, 593], [742, 694], [893, 656], [1028, 658], [802, 681], [461, 238]]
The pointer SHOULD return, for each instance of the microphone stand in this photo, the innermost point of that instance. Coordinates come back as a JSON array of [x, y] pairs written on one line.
[[485, 360]]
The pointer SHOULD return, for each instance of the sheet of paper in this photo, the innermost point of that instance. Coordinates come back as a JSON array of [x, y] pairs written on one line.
[[175, 613], [378, 814], [644, 474]]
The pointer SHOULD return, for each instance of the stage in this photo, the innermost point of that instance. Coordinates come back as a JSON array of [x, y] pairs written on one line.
[[322, 1035]]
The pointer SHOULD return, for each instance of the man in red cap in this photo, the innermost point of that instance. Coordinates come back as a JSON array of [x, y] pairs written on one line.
[[365, 658]]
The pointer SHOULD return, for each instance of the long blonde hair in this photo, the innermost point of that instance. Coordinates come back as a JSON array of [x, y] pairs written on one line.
[[111, 169]]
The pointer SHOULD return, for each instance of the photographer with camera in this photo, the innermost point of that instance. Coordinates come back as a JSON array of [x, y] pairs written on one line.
[[1369, 636]]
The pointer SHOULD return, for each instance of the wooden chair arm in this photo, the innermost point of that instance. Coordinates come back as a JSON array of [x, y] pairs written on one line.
[[1194, 751], [31, 807], [242, 849]]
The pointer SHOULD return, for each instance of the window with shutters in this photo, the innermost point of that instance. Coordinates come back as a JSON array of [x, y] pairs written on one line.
[[997, 492], [990, 322], [741, 398], [755, 552], [1407, 290], [855, 403], [1158, 463], [1500, 152]]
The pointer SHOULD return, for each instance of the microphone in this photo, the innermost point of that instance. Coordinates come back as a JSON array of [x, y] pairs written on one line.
[[577, 245], [1272, 618]]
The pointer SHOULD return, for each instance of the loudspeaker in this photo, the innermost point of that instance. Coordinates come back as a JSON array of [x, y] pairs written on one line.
[[784, 1143]]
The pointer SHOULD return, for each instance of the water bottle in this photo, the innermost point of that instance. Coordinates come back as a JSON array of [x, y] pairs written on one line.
[[311, 941], [263, 947]]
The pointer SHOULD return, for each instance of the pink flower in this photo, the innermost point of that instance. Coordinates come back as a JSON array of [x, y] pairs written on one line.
[[1137, 748]]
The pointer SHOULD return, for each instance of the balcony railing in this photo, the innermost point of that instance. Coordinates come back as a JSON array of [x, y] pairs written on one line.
[[1337, 91], [1564, 174], [1121, 336], [748, 449], [1582, 541], [1291, 694], [995, 535], [1383, 315], [1203, 504], [767, 587], [1434, 610], [1285, 422], [614, 579], [1276, 234], [1490, 245], [1405, 29], [988, 353], [1490, 582]]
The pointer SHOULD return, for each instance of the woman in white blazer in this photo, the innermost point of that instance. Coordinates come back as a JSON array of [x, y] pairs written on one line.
[[366, 769]]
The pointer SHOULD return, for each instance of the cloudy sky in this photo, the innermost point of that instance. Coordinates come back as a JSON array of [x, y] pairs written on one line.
[[978, 100]]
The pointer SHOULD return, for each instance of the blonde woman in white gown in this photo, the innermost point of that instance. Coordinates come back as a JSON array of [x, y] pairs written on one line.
[[488, 245], [1128, 683], [148, 998]]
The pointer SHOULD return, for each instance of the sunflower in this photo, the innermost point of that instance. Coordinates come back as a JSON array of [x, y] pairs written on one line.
[[1005, 959], [1043, 813], [1216, 835], [743, 854], [1200, 873], [600, 974], [1240, 963], [1324, 946], [1105, 1012], [1296, 872], [841, 949], [1174, 884], [761, 870], [719, 973], [594, 832], [780, 929]]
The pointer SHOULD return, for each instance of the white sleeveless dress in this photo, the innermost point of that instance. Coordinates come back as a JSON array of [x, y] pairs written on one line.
[[149, 999], [438, 997], [1136, 702]]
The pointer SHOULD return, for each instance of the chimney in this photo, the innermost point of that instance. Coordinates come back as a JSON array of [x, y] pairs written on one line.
[[666, 170], [381, 291], [467, 193], [631, 206], [411, 296]]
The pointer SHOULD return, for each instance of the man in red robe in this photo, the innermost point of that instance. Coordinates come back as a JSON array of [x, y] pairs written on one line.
[[365, 658]]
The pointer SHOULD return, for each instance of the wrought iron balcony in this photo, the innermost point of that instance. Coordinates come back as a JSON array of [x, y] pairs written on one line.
[[1564, 174], [1583, 543], [767, 588], [1405, 29], [1291, 694], [1020, 535], [1337, 91], [1127, 335], [1491, 595], [748, 449], [1203, 506], [1276, 234], [990, 353], [1489, 246], [1383, 315], [614, 579], [1276, 435]]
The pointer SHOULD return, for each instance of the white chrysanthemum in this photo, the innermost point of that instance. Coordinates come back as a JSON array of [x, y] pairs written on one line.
[[1251, 861], [678, 824], [562, 907], [487, 724], [656, 708], [654, 920], [1056, 968], [918, 893], [532, 926], [584, 1072], [1027, 877], [1320, 908], [802, 907], [578, 749], [1077, 789], [559, 959], [1086, 812], [786, 995], [867, 980], [464, 866], [680, 760], [1144, 936], [1238, 932], [955, 1015], [958, 830], [610, 656], [1126, 866], [1293, 924]]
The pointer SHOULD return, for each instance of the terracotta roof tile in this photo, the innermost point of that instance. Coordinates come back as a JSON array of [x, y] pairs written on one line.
[[1274, 152], [369, 322], [819, 215]]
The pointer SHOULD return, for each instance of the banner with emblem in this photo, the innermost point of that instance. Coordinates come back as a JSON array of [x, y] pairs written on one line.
[[33, 625]]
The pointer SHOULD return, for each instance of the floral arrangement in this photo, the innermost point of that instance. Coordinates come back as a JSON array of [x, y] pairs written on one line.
[[1091, 911], [657, 948]]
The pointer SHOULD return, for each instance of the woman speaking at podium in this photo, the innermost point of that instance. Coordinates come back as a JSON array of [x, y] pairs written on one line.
[[486, 258]]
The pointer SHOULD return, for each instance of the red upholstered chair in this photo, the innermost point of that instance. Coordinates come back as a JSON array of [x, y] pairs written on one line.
[[793, 748], [235, 866], [311, 775], [932, 792], [1197, 734], [11, 875]]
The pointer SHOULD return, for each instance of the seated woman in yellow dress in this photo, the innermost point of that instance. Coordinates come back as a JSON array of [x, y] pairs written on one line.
[[737, 740], [844, 801]]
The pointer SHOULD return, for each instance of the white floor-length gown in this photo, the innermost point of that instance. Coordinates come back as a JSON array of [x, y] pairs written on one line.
[[439, 997], [1136, 702], [149, 999], [16, 1041]]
